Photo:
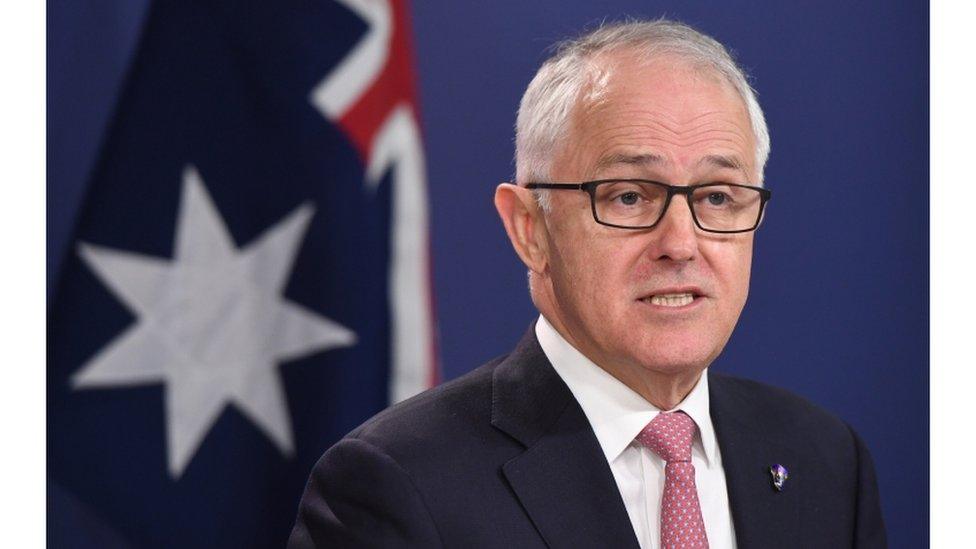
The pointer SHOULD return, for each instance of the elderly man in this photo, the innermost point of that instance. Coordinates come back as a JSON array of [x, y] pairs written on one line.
[[640, 154]]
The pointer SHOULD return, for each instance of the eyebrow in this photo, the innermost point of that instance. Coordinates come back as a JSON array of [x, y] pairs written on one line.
[[633, 159], [648, 159], [722, 161]]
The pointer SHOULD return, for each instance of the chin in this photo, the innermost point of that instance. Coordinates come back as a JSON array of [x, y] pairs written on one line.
[[673, 358], [673, 366]]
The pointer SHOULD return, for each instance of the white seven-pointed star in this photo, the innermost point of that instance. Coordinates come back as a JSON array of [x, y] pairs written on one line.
[[212, 324]]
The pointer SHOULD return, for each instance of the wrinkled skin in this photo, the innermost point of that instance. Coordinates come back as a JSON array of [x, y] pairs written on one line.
[[658, 120]]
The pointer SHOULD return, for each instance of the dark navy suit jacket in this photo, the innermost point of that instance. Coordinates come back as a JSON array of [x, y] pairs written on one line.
[[504, 457]]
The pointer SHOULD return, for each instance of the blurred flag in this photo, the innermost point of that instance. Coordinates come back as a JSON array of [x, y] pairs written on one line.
[[247, 277]]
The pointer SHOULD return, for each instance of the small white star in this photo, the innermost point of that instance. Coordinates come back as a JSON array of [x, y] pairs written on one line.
[[212, 324]]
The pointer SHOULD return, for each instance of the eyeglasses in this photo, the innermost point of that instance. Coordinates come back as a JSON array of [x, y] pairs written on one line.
[[641, 204]]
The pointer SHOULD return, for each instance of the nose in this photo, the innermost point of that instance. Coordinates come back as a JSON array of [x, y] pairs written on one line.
[[675, 235]]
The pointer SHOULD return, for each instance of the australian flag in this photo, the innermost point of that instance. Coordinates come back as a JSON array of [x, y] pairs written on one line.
[[246, 274]]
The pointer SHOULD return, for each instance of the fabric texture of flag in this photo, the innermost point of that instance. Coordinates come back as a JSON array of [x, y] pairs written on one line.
[[247, 276]]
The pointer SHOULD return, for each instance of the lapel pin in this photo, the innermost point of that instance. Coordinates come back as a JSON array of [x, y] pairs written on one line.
[[779, 474]]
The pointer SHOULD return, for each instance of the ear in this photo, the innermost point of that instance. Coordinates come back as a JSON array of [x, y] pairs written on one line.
[[523, 222]]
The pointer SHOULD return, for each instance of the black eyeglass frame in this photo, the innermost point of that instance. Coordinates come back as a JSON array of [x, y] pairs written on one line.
[[590, 188]]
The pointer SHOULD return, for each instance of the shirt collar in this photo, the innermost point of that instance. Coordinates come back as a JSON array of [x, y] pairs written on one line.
[[616, 412]]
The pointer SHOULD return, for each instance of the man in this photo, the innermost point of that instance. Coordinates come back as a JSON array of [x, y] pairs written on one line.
[[640, 155]]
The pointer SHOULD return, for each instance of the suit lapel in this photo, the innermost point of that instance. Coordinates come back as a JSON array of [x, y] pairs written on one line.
[[562, 479], [763, 517]]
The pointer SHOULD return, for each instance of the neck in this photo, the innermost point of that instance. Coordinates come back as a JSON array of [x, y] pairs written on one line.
[[664, 389]]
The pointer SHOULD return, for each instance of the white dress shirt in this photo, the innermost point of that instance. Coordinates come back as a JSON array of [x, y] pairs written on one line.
[[617, 414]]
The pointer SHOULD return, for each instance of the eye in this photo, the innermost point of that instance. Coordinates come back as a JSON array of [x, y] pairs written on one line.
[[716, 198], [629, 198]]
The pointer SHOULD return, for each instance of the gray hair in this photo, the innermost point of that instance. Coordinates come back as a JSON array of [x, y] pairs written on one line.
[[572, 74]]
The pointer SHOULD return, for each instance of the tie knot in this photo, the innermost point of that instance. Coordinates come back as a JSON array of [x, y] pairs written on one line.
[[669, 435]]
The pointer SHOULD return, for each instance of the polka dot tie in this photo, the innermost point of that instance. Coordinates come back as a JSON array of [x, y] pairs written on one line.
[[669, 435]]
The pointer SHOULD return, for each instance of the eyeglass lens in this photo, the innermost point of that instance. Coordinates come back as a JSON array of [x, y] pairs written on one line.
[[717, 207]]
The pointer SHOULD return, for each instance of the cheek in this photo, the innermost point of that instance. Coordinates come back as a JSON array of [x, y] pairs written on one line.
[[732, 264], [609, 263], [588, 270], [575, 253]]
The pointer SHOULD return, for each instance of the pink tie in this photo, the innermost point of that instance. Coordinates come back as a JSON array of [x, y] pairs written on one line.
[[669, 435]]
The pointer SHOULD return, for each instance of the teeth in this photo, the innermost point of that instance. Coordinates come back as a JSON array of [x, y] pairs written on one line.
[[672, 300]]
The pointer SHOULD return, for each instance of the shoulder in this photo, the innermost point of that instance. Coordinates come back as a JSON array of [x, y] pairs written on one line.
[[777, 413], [438, 421], [780, 406], [401, 452], [470, 393]]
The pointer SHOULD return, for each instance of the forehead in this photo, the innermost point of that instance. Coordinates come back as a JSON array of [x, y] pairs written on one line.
[[661, 112]]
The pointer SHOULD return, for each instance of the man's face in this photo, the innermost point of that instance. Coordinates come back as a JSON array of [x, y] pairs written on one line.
[[621, 294]]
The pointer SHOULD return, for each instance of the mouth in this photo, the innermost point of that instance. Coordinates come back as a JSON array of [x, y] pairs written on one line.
[[674, 299]]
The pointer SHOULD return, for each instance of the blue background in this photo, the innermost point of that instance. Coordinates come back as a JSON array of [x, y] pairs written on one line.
[[838, 310]]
